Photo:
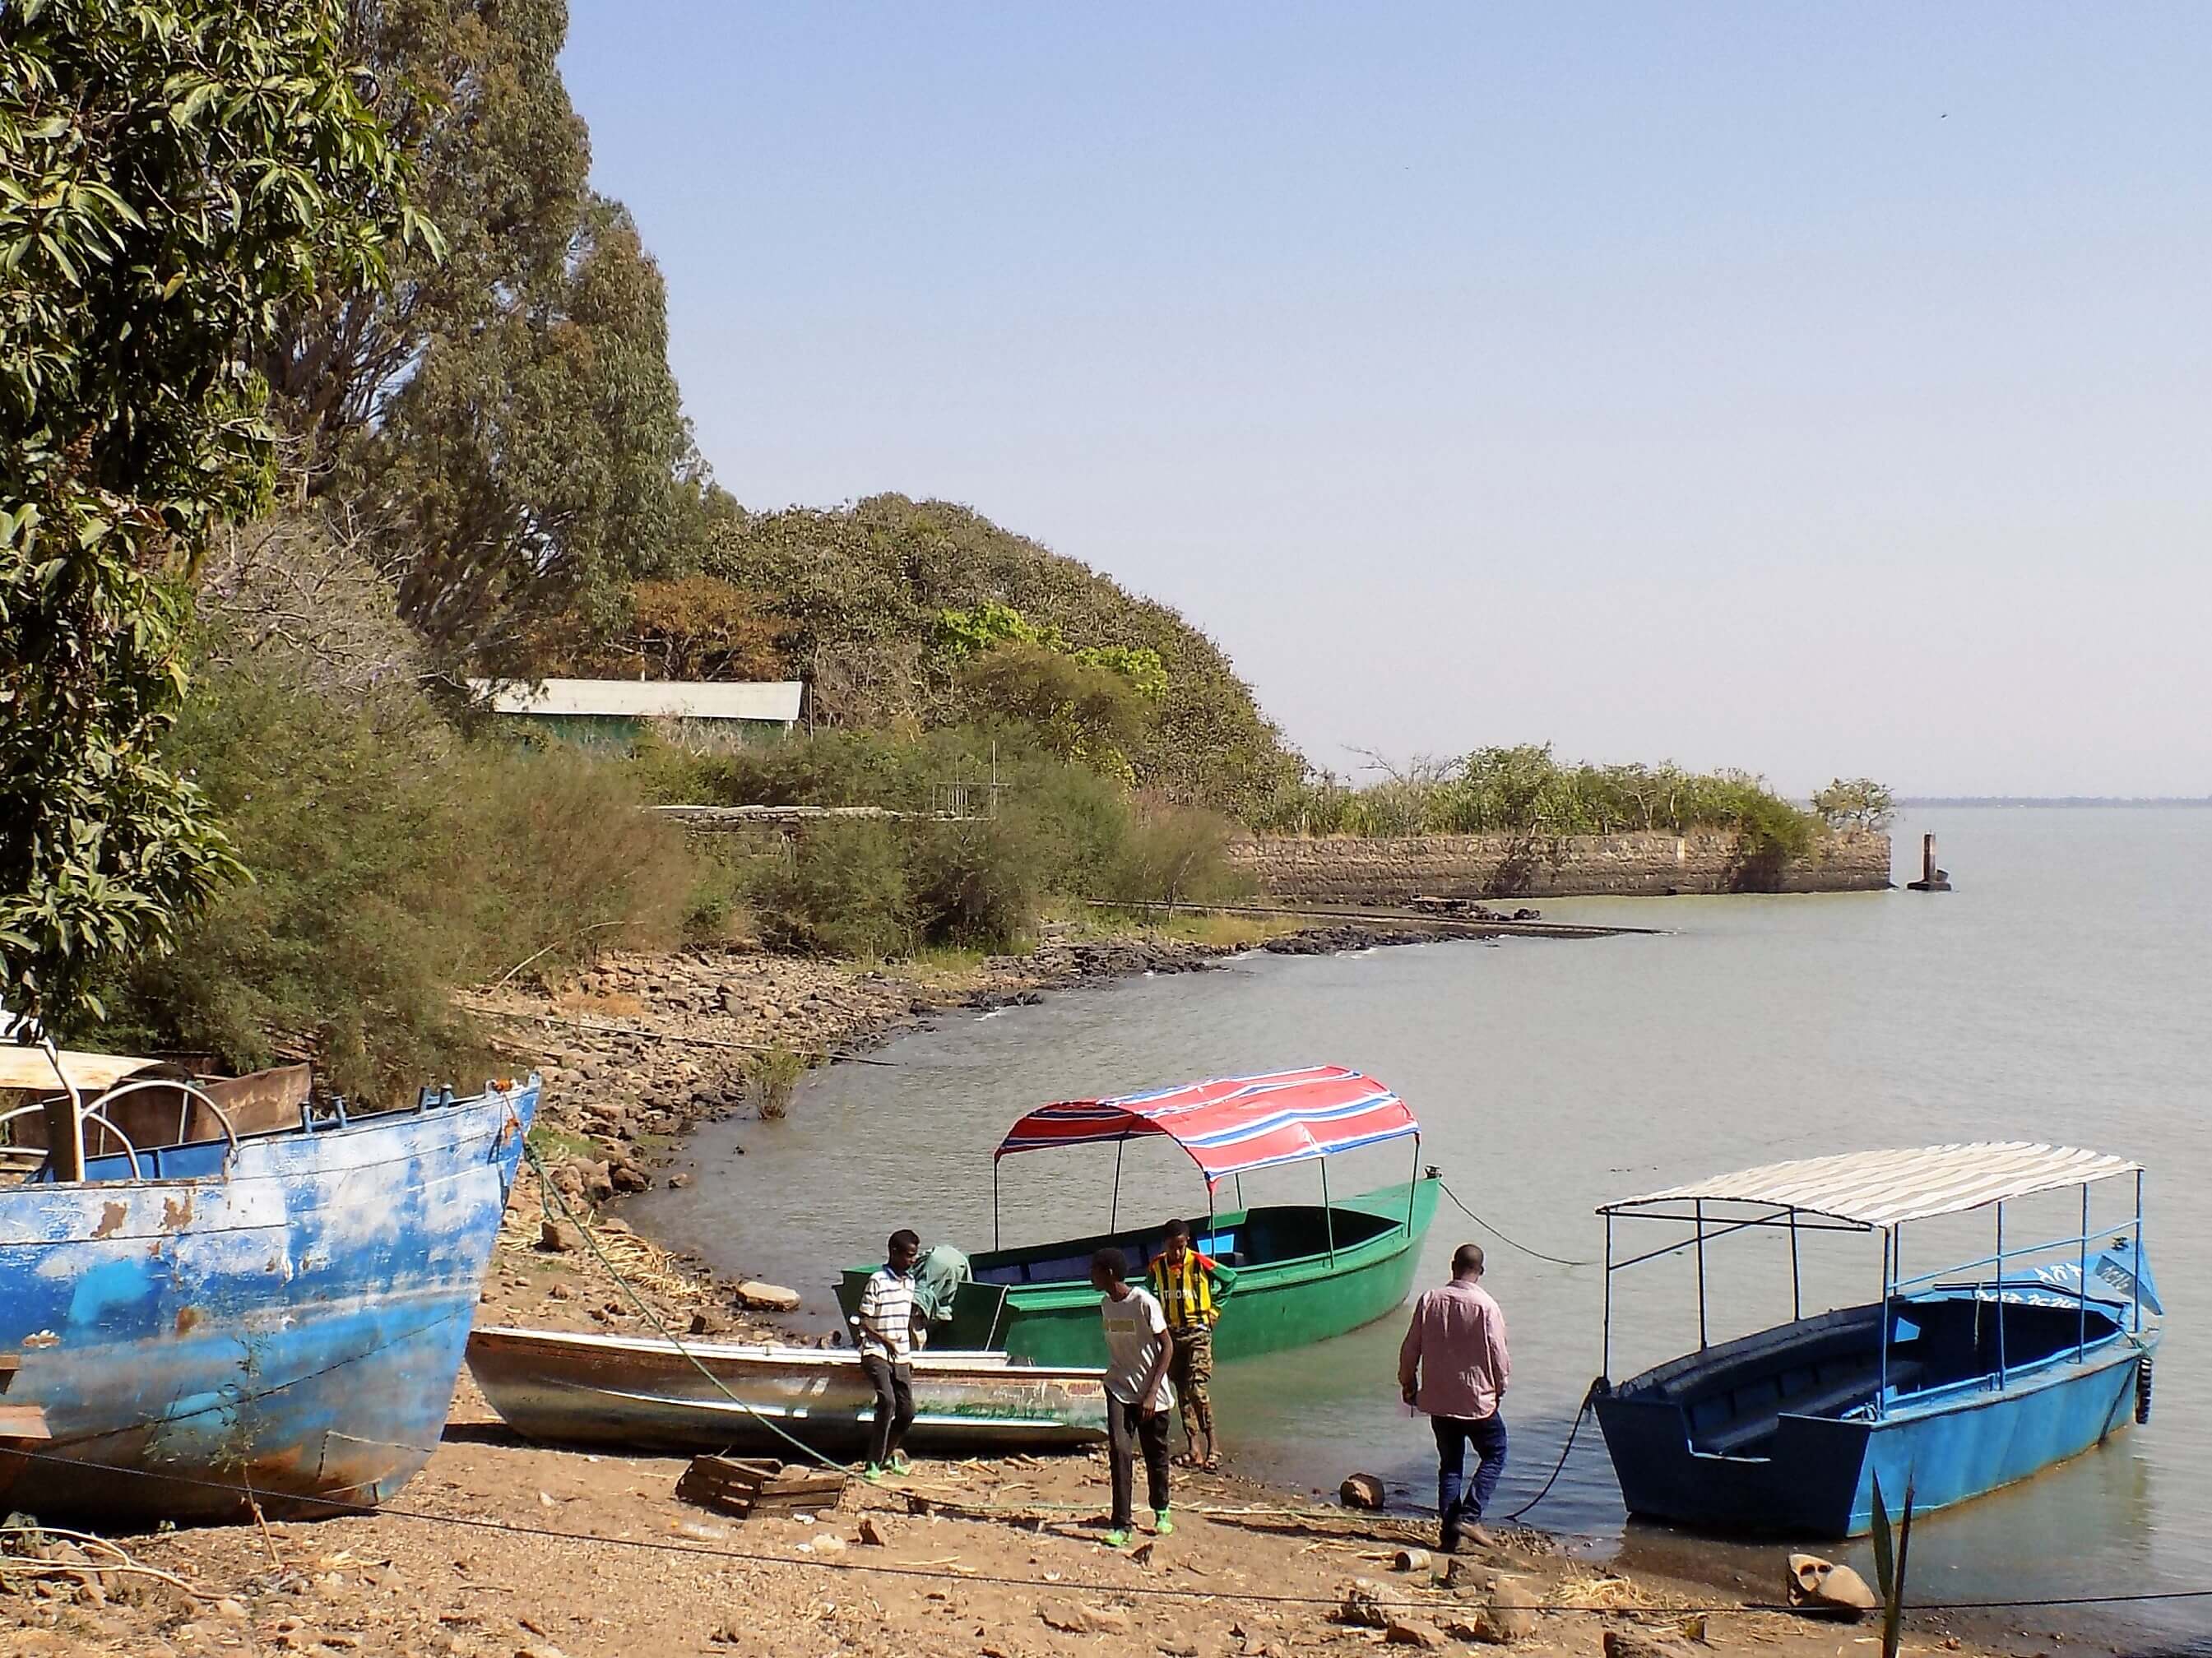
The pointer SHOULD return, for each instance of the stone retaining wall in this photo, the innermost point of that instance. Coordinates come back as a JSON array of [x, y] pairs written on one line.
[[1353, 871]]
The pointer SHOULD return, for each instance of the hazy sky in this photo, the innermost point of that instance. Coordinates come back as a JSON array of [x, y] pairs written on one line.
[[1814, 390]]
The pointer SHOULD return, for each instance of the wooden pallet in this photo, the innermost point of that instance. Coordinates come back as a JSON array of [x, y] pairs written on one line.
[[730, 1486]]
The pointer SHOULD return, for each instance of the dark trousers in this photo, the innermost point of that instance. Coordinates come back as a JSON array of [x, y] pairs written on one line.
[[894, 1386], [1454, 1435], [1124, 1431]]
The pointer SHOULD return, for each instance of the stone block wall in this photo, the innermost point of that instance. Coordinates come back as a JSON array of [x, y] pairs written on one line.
[[1348, 870]]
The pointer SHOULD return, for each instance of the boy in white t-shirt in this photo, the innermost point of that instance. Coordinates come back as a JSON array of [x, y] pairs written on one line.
[[1138, 1395]]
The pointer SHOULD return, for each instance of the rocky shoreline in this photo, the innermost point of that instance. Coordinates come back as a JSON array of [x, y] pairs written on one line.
[[502, 1548], [637, 1050]]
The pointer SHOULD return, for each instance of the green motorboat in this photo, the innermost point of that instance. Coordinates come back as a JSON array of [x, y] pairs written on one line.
[[1305, 1271]]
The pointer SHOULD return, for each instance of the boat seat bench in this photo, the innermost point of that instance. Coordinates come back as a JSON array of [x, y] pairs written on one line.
[[1830, 1398]]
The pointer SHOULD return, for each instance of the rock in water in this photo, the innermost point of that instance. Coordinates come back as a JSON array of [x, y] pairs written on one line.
[[1825, 1589], [1361, 1491], [767, 1297]]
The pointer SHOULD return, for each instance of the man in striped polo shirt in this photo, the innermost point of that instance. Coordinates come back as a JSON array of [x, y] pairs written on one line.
[[886, 1322], [1190, 1287]]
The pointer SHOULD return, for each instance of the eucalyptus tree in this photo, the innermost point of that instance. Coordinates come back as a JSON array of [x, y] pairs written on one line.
[[502, 423]]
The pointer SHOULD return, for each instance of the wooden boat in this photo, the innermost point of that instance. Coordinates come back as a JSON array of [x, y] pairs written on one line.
[[1305, 1271], [639, 1394], [195, 1307], [1951, 1386]]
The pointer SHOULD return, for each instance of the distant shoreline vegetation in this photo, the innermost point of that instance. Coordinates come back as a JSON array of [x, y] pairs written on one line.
[[1926, 801], [1524, 790]]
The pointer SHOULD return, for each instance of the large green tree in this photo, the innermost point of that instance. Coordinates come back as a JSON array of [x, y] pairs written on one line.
[[502, 423], [862, 590], [173, 172]]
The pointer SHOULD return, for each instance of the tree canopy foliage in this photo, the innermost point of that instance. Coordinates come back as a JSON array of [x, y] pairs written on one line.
[[1861, 803], [503, 420], [862, 592], [173, 172]]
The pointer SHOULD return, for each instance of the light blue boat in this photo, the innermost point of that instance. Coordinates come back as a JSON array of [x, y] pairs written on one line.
[[253, 1310], [1951, 1385]]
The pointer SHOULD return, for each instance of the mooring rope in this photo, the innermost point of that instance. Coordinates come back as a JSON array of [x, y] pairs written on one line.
[[547, 1189], [1556, 1260]]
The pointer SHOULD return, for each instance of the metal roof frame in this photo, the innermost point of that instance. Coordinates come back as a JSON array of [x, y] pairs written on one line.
[[1878, 1191]]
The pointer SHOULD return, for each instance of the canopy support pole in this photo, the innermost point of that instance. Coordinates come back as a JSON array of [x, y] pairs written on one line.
[[1604, 1341], [1412, 1184], [65, 1114], [1701, 1273], [996, 1243], [1998, 1290], [1240, 1193], [2136, 1277], [1327, 1214], [1796, 1285], [1113, 1215], [2082, 1283], [1888, 1276]]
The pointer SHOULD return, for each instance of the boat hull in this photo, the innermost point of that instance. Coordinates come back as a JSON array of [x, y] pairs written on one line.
[[1817, 1479], [635, 1394], [1276, 1305], [290, 1326]]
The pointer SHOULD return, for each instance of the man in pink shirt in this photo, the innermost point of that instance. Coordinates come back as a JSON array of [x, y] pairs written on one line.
[[1453, 1366]]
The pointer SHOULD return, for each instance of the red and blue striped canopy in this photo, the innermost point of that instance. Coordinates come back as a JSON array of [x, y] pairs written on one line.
[[1234, 1124]]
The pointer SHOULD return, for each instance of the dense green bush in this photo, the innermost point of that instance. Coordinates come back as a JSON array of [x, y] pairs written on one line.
[[876, 887], [392, 863], [841, 890], [1176, 855]]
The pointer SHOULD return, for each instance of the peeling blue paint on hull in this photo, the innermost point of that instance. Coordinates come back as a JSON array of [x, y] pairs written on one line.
[[290, 1326]]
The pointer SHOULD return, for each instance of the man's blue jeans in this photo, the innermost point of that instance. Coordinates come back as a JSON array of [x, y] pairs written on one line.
[[1454, 1435]]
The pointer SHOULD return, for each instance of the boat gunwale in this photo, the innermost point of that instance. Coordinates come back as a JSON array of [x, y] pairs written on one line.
[[302, 1134], [1949, 1399], [1258, 1278], [511, 1338]]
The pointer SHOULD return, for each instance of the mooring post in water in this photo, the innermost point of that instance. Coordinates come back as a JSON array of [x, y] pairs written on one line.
[[1932, 880]]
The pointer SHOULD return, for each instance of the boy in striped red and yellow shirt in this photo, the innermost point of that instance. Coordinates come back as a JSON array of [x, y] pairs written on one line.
[[1190, 1287]]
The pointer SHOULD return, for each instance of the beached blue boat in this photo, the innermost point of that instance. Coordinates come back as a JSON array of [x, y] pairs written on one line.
[[268, 1302], [1954, 1383]]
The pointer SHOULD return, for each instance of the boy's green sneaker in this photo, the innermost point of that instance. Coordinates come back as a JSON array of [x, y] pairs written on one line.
[[1162, 1526], [873, 1474], [899, 1464], [1117, 1540]]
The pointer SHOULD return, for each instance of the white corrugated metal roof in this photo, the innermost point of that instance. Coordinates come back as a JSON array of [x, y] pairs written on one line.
[[646, 699], [1884, 1188], [33, 1068]]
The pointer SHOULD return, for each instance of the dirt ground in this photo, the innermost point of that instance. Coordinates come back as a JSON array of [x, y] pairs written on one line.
[[501, 1548]]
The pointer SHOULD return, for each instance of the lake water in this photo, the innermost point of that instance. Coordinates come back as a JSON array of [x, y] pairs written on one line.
[[2061, 994]]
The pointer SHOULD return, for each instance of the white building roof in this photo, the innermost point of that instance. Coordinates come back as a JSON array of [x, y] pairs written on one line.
[[1887, 1188], [645, 699]]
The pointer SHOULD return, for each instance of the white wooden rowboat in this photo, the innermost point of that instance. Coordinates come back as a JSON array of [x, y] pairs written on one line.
[[636, 1393]]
